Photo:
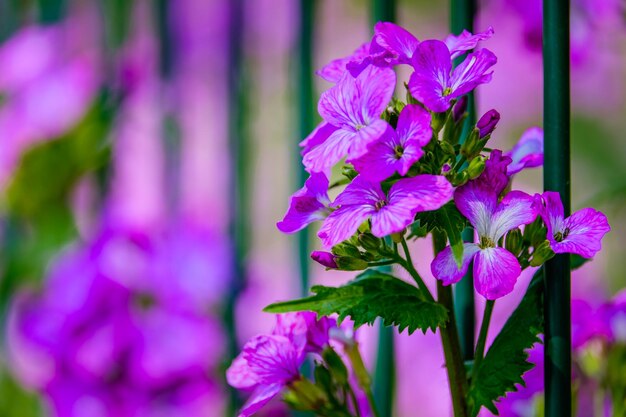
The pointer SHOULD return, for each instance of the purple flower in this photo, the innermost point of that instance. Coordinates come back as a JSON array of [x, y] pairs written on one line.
[[528, 152], [306, 326], [398, 149], [436, 84], [268, 363], [590, 323], [317, 136], [581, 233], [495, 177], [495, 269], [334, 70], [391, 45], [308, 204], [354, 107], [459, 109], [466, 41], [326, 259], [487, 123], [389, 213]]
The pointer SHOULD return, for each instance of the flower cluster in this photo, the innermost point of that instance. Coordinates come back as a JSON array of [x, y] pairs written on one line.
[[108, 335]]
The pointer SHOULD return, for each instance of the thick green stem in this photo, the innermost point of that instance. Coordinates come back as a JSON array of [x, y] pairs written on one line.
[[482, 336], [451, 344]]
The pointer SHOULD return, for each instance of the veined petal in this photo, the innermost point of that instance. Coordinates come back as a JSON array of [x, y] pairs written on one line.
[[308, 204], [466, 41], [341, 105], [376, 87], [396, 40], [331, 151], [495, 272], [494, 177], [427, 192], [444, 266], [274, 358], [414, 125], [515, 209], [528, 152], [360, 192], [550, 208], [343, 223], [317, 137], [472, 72], [394, 217], [380, 161], [432, 65], [259, 398], [477, 204], [585, 230], [239, 375], [365, 137], [334, 70]]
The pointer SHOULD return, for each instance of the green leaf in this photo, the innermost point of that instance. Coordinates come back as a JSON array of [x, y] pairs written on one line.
[[373, 294], [506, 361], [446, 219], [576, 261]]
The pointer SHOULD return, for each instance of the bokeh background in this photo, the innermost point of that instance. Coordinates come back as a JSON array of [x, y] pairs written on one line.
[[147, 149]]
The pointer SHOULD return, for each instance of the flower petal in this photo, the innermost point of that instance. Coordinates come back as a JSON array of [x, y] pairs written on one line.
[[550, 208], [586, 228], [360, 192], [331, 151], [239, 375], [414, 124], [317, 137], [444, 266], [259, 398], [376, 86], [495, 272], [334, 70], [396, 40], [343, 223], [393, 218], [432, 65], [365, 137], [307, 205], [466, 41], [515, 209], [472, 72], [379, 162], [528, 152], [477, 204], [427, 192]]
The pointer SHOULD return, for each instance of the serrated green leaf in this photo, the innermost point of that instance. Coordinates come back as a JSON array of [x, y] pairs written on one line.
[[371, 295], [506, 361], [446, 219]]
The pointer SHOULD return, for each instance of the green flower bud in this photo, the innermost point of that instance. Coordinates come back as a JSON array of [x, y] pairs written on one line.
[[335, 365], [349, 172], [348, 263], [346, 249], [323, 378], [306, 395], [476, 167], [447, 148], [460, 178], [370, 243], [514, 241], [437, 121], [542, 253]]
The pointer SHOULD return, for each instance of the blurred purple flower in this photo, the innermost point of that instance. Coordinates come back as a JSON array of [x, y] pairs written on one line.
[[528, 152], [305, 325], [581, 233]]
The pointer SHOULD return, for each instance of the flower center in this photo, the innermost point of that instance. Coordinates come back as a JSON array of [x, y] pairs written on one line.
[[447, 91], [559, 236], [486, 242], [398, 151], [380, 204], [359, 127]]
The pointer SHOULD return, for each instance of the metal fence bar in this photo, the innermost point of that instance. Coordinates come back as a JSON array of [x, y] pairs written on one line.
[[556, 177], [462, 13], [384, 372]]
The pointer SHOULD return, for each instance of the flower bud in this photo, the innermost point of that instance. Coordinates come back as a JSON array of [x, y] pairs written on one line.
[[469, 148], [460, 178], [476, 167], [437, 121], [349, 172], [459, 109], [370, 243], [347, 263], [335, 365], [346, 249], [514, 241], [447, 148], [323, 377], [326, 259], [542, 253], [305, 395], [487, 123]]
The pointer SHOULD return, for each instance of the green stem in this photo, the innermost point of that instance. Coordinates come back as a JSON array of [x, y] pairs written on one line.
[[408, 265], [451, 344], [383, 263], [362, 376], [482, 336]]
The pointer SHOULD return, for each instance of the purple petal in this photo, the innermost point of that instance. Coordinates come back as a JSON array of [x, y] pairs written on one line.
[[360, 192], [494, 177], [466, 41], [259, 398], [426, 192], [414, 125], [343, 223], [487, 123], [238, 374], [334, 70], [550, 208], [393, 217], [528, 152], [307, 205], [472, 72], [432, 65], [305, 326], [585, 230], [380, 161], [515, 209], [327, 154], [323, 258], [317, 137], [396, 40], [365, 137], [495, 272], [377, 86], [274, 359], [477, 204], [445, 268]]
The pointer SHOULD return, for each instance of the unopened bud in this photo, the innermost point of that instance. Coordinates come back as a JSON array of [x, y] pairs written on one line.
[[437, 121], [459, 109], [476, 167], [306, 395], [323, 377], [347, 263], [542, 253], [398, 236], [346, 249], [326, 259], [488, 123], [468, 148], [514, 241], [460, 178], [335, 365], [370, 243], [349, 172], [447, 148]]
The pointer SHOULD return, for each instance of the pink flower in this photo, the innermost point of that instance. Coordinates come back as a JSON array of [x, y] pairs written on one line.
[[308, 204]]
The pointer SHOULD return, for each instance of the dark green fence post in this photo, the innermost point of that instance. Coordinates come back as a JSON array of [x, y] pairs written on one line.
[[462, 14], [52, 11], [238, 199], [384, 373], [556, 177]]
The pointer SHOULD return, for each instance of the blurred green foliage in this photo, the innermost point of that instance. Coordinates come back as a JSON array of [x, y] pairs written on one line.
[[21, 404]]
